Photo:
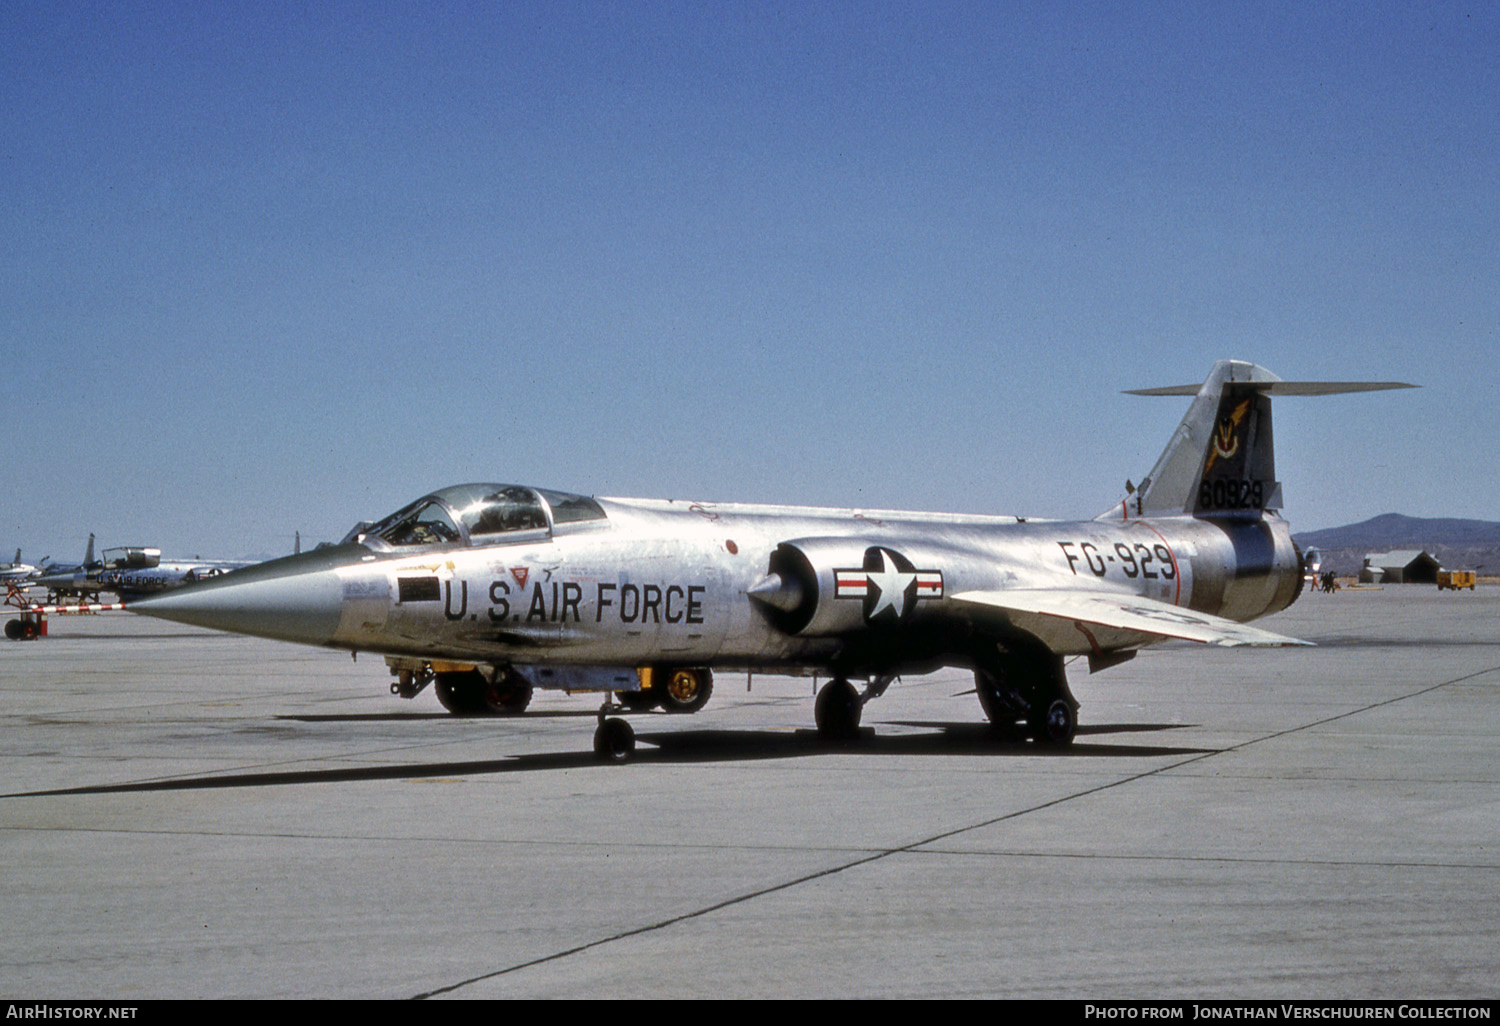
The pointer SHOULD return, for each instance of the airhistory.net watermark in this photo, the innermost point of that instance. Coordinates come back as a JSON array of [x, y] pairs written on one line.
[[67, 1010]]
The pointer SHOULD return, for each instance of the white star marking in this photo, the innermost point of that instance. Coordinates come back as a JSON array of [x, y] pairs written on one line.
[[892, 584]]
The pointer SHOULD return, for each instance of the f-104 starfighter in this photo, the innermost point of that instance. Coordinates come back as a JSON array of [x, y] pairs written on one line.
[[488, 591]]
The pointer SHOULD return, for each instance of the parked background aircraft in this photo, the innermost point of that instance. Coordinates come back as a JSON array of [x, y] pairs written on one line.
[[129, 572], [17, 570], [489, 591], [47, 568]]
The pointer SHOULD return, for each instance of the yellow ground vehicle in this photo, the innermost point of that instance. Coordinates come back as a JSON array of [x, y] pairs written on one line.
[[1455, 579]]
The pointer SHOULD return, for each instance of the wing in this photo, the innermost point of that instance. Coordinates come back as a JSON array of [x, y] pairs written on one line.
[[1127, 613]]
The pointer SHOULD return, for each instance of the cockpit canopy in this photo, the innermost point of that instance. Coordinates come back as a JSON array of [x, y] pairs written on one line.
[[480, 514]]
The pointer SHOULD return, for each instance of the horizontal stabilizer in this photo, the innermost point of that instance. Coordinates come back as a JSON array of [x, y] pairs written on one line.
[[1128, 613], [1285, 387], [1221, 460]]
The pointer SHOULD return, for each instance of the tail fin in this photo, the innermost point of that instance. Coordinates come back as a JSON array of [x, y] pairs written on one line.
[[88, 557], [1221, 460]]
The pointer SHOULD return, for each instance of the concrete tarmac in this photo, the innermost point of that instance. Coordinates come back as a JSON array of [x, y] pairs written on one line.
[[188, 814]]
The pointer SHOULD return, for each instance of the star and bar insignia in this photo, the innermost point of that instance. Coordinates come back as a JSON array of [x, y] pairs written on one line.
[[889, 585]]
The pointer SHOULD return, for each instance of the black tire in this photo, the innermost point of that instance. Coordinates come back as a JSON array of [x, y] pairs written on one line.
[[614, 741], [470, 693], [1028, 683], [992, 701], [1055, 724], [462, 694], [509, 695], [13, 629], [837, 710], [685, 689]]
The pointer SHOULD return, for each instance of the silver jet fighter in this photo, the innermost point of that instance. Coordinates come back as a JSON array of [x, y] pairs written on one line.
[[492, 590], [130, 572], [18, 571]]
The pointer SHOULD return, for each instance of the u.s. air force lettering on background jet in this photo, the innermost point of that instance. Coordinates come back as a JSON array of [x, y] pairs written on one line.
[[129, 572], [488, 591]]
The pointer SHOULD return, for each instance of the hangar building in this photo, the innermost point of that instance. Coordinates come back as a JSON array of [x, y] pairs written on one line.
[[1404, 566]]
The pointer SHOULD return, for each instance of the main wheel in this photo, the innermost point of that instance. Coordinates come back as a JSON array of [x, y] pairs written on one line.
[[470, 693], [462, 693], [614, 740], [1055, 724], [992, 699], [686, 689], [836, 711], [1028, 683], [509, 695]]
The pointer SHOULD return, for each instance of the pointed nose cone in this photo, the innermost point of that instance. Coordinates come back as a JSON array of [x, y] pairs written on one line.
[[54, 581], [293, 599], [784, 593]]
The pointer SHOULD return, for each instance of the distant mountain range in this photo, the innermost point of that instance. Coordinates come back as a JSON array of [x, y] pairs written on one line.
[[1456, 544]]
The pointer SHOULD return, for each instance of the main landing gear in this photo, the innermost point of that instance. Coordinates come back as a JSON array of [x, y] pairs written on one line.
[[472, 693], [839, 704], [1028, 685], [468, 692]]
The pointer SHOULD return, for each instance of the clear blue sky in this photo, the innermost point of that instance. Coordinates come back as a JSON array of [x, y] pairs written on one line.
[[278, 267]]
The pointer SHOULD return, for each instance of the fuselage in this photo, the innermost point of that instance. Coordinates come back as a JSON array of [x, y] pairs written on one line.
[[129, 582], [662, 581], [488, 591]]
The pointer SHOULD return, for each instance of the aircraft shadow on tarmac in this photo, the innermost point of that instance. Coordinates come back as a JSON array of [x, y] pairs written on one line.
[[693, 746], [446, 717], [1386, 641], [942, 739]]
